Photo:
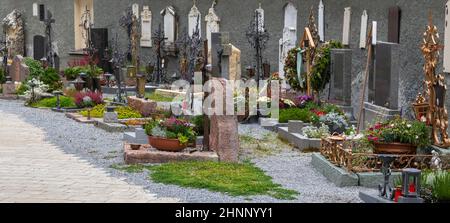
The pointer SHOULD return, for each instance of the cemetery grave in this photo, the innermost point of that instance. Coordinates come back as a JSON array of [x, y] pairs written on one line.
[[345, 118]]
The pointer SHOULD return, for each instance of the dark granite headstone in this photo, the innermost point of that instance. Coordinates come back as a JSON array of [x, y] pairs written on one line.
[[387, 56], [99, 38], [41, 12], [371, 81], [341, 76], [39, 46], [216, 48], [394, 25]]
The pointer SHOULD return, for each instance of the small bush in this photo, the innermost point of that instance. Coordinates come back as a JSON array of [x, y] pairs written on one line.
[[96, 112], [88, 99], [65, 102], [23, 87], [296, 114], [127, 113]]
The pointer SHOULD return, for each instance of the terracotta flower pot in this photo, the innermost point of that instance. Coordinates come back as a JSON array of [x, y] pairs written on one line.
[[167, 145], [394, 148]]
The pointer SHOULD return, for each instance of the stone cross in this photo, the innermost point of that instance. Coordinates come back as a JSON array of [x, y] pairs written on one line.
[[146, 27], [363, 33], [346, 28], [193, 18], [231, 62], [212, 26]]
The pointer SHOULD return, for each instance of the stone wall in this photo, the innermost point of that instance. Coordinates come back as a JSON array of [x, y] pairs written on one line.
[[236, 15]]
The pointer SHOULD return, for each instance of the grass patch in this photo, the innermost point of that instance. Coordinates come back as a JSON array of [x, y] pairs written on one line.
[[268, 145], [158, 97], [135, 168], [231, 178], [65, 102]]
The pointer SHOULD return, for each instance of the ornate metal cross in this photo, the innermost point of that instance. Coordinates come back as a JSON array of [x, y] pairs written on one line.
[[159, 41], [258, 36], [48, 21]]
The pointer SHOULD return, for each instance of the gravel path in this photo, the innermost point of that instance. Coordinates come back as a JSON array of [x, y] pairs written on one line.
[[288, 167]]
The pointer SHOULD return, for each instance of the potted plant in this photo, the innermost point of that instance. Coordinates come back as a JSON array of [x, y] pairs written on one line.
[[398, 136], [170, 135]]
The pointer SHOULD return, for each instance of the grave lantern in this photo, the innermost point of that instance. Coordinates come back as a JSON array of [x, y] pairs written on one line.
[[421, 108], [33, 85], [108, 76], [140, 85], [58, 101], [79, 84], [410, 186]]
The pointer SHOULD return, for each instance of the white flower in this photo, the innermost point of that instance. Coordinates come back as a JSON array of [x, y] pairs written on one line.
[[417, 137], [409, 125], [392, 125], [87, 99]]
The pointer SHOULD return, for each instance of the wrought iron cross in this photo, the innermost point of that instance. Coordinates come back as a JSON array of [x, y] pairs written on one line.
[[258, 36], [48, 21], [159, 41], [117, 60]]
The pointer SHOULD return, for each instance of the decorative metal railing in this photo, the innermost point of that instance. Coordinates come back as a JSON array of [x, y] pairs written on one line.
[[340, 153]]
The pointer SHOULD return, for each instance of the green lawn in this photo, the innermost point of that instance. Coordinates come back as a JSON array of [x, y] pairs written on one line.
[[65, 102], [158, 97], [230, 178]]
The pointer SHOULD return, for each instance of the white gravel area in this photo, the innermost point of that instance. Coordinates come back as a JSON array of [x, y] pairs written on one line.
[[289, 168]]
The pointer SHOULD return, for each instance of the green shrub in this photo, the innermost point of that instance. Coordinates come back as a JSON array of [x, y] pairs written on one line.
[[127, 112], [296, 114], [2, 76], [48, 76], [71, 73], [122, 112], [22, 88], [65, 102], [198, 122], [36, 69]]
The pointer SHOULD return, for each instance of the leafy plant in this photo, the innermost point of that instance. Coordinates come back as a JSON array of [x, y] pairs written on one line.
[[336, 122], [304, 115], [126, 112], [71, 73], [198, 123], [320, 74], [88, 99], [316, 132], [96, 112], [48, 76], [2, 76], [65, 102], [290, 69], [173, 128], [400, 131]]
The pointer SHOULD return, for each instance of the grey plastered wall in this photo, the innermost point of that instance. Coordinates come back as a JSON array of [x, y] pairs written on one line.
[[236, 15]]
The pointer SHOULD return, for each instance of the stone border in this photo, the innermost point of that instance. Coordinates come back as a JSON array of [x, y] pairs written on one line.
[[79, 118], [297, 140], [113, 127], [149, 155], [342, 178]]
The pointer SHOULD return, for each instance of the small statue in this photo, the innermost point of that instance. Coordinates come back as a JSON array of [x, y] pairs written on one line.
[[435, 162]]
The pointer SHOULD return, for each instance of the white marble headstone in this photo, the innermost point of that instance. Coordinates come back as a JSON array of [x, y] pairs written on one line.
[[289, 35], [346, 27], [212, 24], [363, 33], [447, 39], [135, 9], [146, 27], [169, 17], [194, 18], [321, 21], [35, 9], [374, 33]]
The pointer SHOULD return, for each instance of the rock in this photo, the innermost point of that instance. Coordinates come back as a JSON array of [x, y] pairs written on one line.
[[145, 107]]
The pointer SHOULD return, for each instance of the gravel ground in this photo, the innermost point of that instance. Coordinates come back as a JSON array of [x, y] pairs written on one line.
[[288, 167]]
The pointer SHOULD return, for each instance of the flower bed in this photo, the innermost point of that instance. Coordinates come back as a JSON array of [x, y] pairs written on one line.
[[123, 112]]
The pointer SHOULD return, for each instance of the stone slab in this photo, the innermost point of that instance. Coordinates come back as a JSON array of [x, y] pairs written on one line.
[[113, 127], [338, 176], [172, 93], [147, 154], [137, 137], [374, 112], [145, 107], [79, 118], [297, 140], [268, 123], [66, 110], [373, 179], [296, 126]]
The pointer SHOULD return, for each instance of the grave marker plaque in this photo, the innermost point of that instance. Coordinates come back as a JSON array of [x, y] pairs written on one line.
[[39, 46], [387, 74], [341, 76], [394, 25]]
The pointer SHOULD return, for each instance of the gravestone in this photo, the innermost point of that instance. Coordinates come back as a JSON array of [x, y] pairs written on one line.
[[14, 27], [289, 39], [341, 76], [363, 33], [394, 25], [146, 27], [346, 28], [169, 18], [231, 62], [387, 65], [212, 26], [194, 18], [321, 21], [18, 70], [39, 47], [447, 39], [215, 50], [99, 38]]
